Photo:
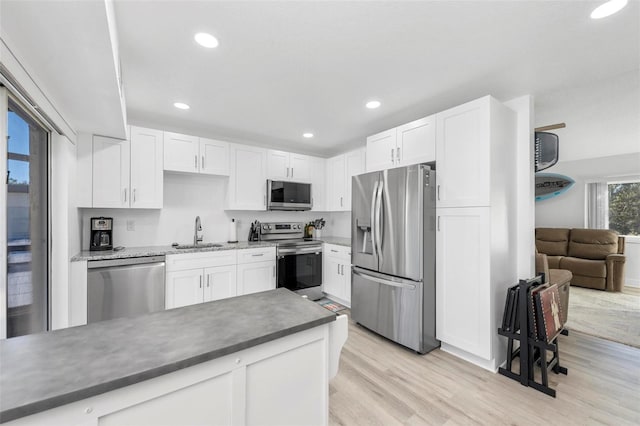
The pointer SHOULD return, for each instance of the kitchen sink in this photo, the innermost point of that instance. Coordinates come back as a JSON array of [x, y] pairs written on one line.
[[193, 246]]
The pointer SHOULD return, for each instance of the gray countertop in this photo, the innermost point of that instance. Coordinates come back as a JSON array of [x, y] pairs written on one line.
[[45, 370], [164, 250]]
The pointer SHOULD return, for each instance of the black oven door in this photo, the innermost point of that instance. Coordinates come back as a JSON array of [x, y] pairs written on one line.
[[300, 268]]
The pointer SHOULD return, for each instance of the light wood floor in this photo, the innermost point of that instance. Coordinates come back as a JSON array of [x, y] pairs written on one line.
[[381, 383]]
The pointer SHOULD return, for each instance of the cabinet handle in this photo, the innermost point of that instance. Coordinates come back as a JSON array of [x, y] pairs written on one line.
[[134, 195], [264, 200], [203, 162], [335, 251], [256, 255], [392, 160], [274, 271], [292, 172], [125, 195], [398, 153], [208, 278], [438, 223], [200, 281], [338, 269], [287, 172], [340, 201], [341, 269], [195, 159], [438, 191]]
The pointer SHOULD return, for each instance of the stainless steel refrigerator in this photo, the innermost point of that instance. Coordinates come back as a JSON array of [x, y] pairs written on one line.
[[393, 220]]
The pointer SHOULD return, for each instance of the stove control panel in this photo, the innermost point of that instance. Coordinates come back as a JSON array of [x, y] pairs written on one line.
[[281, 230]]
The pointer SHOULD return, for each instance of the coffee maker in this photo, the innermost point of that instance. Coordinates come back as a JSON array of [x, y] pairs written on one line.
[[101, 233]]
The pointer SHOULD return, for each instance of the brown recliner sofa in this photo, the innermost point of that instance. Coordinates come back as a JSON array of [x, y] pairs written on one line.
[[595, 257]]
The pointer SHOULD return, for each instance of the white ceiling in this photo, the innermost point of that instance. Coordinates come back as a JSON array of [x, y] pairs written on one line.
[[284, 68]]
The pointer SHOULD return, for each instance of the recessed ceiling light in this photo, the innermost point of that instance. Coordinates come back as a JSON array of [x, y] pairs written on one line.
[[307, 135], [372, 104], [181, 105], [206, 40], [608, 8]]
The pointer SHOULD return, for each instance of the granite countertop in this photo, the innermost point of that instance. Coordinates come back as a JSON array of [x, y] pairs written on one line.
[[164, 250], [45, 370]]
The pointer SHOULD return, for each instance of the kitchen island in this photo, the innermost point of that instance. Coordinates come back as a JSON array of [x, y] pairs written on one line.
[[261, 358]]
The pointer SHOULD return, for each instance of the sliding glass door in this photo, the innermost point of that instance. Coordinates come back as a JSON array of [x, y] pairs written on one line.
[[27, 223]]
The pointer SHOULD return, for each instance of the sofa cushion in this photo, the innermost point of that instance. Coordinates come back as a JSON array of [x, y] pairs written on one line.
[[584, 267], [593, 243], [552, 241], [554, 261]]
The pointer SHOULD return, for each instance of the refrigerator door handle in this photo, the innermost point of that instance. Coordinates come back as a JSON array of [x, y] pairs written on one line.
[[373, 216], [397, 282], [378, 215]]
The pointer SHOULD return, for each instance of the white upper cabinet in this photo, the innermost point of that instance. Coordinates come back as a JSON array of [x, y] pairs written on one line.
[[318, 184], [283, 165], [111, 162], [181, 153], [247, 179], [340, 170], [381, 150], [191, 154], [416, 142], [411, 143], [146, 168], [126, 174], [463, 154], [214, 157]]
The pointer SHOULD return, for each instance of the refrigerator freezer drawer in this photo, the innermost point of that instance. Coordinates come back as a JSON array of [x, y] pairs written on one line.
[[389, 306]]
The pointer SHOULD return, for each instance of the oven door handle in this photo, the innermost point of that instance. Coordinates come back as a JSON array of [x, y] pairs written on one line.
[[294, 251]]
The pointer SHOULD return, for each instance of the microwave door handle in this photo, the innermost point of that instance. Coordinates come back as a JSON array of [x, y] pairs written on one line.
[[373, 217]]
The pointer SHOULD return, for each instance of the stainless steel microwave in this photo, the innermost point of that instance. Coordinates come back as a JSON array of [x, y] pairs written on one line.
[[284, 195]]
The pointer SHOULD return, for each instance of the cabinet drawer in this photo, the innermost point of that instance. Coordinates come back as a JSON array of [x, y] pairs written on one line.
[[337, 251], [260, 254], [181, 262]]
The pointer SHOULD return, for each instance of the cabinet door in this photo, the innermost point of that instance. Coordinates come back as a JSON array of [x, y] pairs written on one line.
[[417, 142], [248, 178], [181, 153], [300, 168], [220, 282], [463, 309], [333, 280], [111, 172], [346, 272], [214, 157], [381, 151], [354, 163], [255, 277], [336, 183], [318, 184], [184, 288], [146, 168], [462, 155], [278, 165]]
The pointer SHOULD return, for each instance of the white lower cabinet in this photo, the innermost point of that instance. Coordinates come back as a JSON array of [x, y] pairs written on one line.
[[255, 277], [336, 273], [463, 247], [184, 288], [219, 282]]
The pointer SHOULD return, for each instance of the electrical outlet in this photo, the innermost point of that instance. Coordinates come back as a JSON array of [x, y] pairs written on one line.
[[131, 225]]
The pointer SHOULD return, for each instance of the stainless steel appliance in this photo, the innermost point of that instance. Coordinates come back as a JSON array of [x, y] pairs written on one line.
[[284, 195], [299, 259], [393, 255], [101, 234], [124, 287]]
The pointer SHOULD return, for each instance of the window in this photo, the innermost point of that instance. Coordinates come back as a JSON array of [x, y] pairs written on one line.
[[27, 218], [624, 207], [615, 206]]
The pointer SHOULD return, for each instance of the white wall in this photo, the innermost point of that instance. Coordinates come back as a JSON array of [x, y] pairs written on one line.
[[185, 197], [601, 142]]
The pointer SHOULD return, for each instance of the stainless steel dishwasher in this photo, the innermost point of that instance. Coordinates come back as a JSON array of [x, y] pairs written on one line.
[[124, 287]]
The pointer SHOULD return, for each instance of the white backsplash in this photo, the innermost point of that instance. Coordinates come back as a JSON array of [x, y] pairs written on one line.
[[188, 196]]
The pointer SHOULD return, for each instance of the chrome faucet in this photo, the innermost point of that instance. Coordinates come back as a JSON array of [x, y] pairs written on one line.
[[197, 238]]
